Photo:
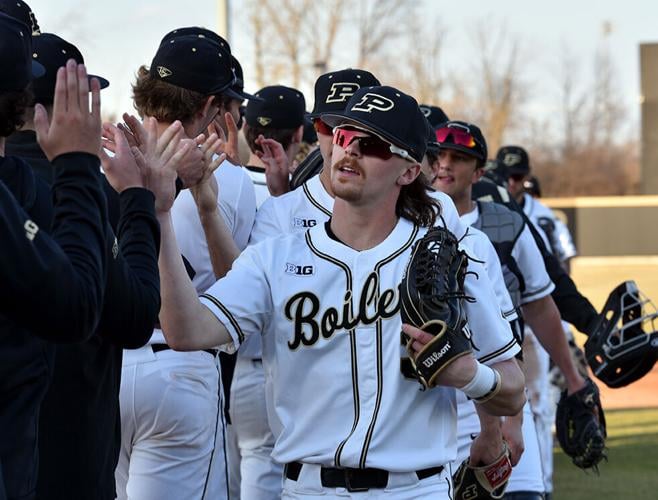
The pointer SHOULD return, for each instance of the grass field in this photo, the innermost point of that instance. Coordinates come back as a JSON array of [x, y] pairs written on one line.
[[631, 472]]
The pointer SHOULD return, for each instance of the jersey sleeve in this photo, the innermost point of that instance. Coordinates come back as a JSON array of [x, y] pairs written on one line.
[[491, 333], [242, 300], [527, 256], [267, 224]]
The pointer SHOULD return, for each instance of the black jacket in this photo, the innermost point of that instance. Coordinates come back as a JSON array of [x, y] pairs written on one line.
[[79, 425], [52, 287]]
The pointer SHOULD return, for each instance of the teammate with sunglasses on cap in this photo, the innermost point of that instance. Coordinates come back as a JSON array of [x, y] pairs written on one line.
[[462, 156]]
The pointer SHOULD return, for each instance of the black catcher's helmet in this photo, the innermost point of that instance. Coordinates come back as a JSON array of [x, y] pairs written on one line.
[[624, 347]]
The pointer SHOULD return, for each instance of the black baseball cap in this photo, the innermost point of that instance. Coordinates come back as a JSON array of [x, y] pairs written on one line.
[[195, 63], [390, 114], [333, 90], [515, 159], [53, 52], [279, 107], [18, 67], [238, 87], [199, 32], [434, 114], [464, 137], [21, 11], [235, 91], [432, 145]]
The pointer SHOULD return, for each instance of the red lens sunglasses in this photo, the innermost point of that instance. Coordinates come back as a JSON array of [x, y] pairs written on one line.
[[369, 145], [459, 137]]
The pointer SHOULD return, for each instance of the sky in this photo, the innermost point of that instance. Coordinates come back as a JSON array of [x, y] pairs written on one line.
[[117, 37]]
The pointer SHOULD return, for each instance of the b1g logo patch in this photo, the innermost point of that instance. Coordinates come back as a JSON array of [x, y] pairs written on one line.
[[299, 223], [299, 270], [372, 101], [342, 91]]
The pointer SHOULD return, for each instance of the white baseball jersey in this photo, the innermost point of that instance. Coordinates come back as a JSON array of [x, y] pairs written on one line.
[[257, 176], [330, 321], [527, 256], [310, 205]]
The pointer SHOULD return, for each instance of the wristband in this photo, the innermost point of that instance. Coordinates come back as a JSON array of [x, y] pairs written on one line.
[[484, 385]]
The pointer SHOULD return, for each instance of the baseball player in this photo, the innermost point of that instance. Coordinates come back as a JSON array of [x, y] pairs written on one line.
[[517, 162], [330, 350], [52, 284], [273, 130], [276, 116], [171, 403], [461, 159]]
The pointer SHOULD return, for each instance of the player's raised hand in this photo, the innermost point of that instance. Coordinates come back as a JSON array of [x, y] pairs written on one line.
[[276, 165], [75, 126], [206, 191], [159, 156], [132, 130], [229, 144], [121, 170]]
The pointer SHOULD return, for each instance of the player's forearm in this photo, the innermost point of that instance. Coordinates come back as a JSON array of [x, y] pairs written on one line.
[[511, 397], [490, 425], [221, 247], [544, 319], [186, 323]]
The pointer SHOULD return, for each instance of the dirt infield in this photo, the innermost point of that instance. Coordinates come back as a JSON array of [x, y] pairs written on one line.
[[596, 277]]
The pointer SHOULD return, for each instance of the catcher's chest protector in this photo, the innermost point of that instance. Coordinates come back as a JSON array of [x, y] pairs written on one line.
[[503, 227]]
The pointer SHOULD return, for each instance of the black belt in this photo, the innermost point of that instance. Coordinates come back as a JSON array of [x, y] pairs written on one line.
[[354, 479], [164, 347]]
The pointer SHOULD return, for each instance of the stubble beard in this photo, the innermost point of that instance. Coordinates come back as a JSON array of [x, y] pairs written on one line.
[[350, 192]]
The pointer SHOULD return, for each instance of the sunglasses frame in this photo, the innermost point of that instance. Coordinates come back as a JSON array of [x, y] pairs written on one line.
[[402, 153]]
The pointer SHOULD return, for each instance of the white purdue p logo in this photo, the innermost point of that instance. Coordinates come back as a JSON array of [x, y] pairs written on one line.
[[372, 101], [342, 91]]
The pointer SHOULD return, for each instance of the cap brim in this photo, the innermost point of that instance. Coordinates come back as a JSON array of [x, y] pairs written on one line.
[[38, 70], [104, 83], [337, 119], [240, 95], [517, 171]]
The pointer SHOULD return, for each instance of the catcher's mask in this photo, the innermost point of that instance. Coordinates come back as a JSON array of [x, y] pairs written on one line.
[[625, 345]]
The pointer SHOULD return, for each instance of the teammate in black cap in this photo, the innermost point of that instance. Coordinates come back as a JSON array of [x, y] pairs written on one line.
[[332, 91], [172, 426], [273, 130], [52, 287], [79, 416]]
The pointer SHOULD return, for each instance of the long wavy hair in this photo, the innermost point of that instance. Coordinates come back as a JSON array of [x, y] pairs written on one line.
[[415, 203]]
